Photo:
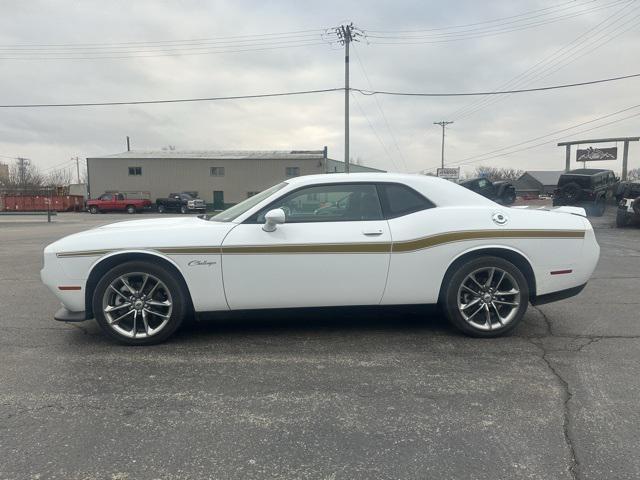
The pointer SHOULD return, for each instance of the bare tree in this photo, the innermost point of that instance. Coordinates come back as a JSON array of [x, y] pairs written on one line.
[[497, 173], [634, 174], [24, 175], [58, 178]]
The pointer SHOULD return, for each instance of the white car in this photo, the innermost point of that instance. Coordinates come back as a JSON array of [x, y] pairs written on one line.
[[326, 240]]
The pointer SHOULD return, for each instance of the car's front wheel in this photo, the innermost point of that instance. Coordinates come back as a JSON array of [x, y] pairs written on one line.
[[622, 218], [161, 208], [93, 209], [486, 297], [139, 303], [184, 209]]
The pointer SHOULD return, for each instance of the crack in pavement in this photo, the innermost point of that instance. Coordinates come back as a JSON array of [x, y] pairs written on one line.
[[574, 465]]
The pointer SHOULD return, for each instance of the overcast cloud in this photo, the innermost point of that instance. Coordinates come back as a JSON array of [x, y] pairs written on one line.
[[51, 136]]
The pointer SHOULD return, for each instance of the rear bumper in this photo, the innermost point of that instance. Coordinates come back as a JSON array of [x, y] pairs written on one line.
[[64, 315], [557, 296]]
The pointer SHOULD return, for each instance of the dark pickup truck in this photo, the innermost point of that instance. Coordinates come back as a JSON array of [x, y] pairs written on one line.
[[182, 202], [501, 191]]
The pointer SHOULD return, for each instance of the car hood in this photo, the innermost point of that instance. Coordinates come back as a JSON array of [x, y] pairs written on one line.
[[146, 234]]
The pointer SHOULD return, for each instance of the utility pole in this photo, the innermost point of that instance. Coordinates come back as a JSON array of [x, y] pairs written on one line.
[[346, 35], [443, 124], [78, 168], [23, 163]]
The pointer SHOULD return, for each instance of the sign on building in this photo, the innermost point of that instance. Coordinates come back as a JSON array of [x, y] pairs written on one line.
[[594, 154], [449, 173]]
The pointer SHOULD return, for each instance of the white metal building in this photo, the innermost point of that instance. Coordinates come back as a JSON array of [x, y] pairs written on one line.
[[220, 177]]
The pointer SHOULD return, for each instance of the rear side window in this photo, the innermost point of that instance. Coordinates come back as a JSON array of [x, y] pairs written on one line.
[[399, 200]]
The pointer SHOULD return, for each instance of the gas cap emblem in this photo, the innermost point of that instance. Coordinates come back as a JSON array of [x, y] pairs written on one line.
[[500, 218]]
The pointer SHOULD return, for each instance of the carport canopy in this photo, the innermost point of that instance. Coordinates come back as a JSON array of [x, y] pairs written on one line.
[[625, 154]]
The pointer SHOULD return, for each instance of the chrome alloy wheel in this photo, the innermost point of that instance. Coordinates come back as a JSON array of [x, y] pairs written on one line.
[[137, 305], [488, 298]]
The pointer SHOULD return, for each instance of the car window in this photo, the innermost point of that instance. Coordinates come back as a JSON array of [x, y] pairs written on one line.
[[120, 197], [399, 200], [343, 202], [234, 212], [482, 183], [105, 197]]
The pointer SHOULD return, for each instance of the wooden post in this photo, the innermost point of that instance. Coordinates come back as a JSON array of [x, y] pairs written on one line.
[[567, 165], [625, 158]]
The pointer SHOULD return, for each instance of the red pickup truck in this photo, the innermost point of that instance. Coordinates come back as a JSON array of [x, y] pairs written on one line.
[[112, 202]]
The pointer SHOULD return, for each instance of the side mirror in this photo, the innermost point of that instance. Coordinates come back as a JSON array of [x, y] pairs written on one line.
[[273, 218]]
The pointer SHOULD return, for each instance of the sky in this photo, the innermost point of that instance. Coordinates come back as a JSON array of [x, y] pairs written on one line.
[[63, 51]]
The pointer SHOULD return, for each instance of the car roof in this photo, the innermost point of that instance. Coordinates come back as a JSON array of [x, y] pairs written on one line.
[[440, 191], [587, 171]]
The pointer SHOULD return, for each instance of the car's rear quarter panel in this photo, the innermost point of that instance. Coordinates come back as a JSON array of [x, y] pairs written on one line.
[[416, 276]]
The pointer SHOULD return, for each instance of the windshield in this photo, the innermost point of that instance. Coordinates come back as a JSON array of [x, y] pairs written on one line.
[[234, 212]]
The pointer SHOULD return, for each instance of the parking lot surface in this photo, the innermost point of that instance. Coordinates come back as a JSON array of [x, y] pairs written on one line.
[[358, 393]]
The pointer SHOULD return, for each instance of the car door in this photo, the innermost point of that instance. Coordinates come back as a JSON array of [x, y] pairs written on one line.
[[106, 201], [333, 249]]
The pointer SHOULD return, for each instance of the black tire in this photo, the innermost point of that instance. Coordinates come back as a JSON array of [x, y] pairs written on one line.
[[93, 210], [571, 192], [622, 218], [178, 297], [161, 209], [598, 208], [184, 209], [636, 206], [453, 285], [131, 209]]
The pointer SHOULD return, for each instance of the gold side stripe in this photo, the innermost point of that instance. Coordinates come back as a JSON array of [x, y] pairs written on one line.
[[440, 239], [378, 247]]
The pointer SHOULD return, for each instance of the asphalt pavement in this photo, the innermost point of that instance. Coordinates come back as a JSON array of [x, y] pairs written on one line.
[[349, 394]]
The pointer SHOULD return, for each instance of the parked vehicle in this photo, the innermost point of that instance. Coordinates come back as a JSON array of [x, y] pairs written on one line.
[[396, 239], [629, 205], [114, 202], [500, 191], [183, 202], [589, 188]]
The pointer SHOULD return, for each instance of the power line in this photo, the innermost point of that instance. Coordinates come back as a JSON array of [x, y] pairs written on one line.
[[378, 104], [476, 23], [531, 73], [458, 36], [143, 54], [486, 156], [375, 132], [180, 100], [323, 90], [499, 92], [294, 33]]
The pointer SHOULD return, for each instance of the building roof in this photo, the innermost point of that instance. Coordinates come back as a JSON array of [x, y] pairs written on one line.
[[545, 177], [220, 154], [337, 166]]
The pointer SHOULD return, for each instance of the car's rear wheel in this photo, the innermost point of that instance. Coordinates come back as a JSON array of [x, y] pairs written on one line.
[[486, 297], [139, 303], [184, 209], [160, 208], [93, 209], [131, 209]]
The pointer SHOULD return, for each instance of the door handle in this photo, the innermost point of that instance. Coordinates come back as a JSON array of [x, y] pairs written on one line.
[[373, 232]]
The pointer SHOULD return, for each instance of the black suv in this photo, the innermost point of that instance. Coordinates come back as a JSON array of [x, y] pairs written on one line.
[[628, 204], [499, 191], [589, 188]]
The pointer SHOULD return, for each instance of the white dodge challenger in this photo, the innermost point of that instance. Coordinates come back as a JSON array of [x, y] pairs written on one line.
[[326, 240]]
